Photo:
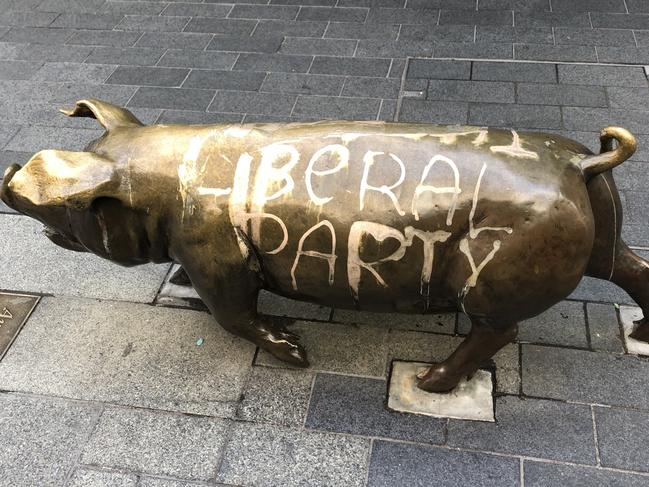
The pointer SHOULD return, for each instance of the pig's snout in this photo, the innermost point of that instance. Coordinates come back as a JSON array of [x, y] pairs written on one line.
[[4, 190]]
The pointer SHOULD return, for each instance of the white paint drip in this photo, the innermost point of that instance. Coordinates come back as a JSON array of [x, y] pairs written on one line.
[[256, 218], [354, 262], [238, 200], [189, 172], [330, 258], [429, 240], [475, 271], [381, 233], [342, 153], [269, 176], [515, 149], [454, 190], [368, 159]]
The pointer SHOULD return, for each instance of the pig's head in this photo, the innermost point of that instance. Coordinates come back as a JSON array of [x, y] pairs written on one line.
[[81, 197]]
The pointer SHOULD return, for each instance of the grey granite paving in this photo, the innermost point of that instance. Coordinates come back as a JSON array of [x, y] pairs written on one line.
[[357, 405], [126, 353], [46, 268], [177, 413], [41, 438], [406, 464], [529, 427], [157, 443], [579, 375], [266, 455]]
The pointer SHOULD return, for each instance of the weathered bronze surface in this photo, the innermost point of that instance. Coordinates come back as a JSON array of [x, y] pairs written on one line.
[[376, 216], [14, 311]]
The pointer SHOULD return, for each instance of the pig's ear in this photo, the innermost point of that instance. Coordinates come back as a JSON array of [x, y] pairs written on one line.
[[107, 114], [56, 178]]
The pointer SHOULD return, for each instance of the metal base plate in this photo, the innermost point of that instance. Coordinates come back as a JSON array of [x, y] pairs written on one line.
[[14, 311], [629, 314], [472, 400]]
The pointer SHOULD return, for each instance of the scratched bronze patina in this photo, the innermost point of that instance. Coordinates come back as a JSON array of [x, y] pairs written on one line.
[[376, 216], [14, 311]]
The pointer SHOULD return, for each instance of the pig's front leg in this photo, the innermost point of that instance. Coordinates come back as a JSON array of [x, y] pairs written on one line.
[[482, 343], [230, 292]]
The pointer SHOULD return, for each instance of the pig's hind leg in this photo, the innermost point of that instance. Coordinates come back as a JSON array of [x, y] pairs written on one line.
[[611, 258], [631, 273], [482, 343]]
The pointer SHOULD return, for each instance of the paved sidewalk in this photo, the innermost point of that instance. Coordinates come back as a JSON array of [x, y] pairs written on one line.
[[105, 387]]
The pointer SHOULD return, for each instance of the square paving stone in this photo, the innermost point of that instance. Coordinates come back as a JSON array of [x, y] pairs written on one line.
[[147, 76], [40, 438], [471, 399], [602, 75], [555, 94], [356, 405], [545, 52], [538, 474], [628, 315], [563, 324], [437, 323], [185, 58], [354, 350], [623, 438], [276, 396], [441, 112], [530, 72], [129, 354], [224, 80], [172, 98], [531, 427], [487, 91], [337, 107], [74, 72], [309, 84], [157, 443], [152, 23], [85, 477], [578, 375], [512, 115], [604, 328], [268, 456], [176, 40], [46, 268], [394, 464]]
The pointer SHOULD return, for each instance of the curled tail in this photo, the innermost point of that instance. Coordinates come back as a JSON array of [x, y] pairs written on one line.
[[608, 157]]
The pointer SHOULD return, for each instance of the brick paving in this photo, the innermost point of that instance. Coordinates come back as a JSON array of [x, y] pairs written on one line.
[[105, 386]]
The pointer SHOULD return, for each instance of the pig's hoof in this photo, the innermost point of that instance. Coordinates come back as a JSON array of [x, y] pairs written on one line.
[[641, 332], [287, 351], [438, 379]]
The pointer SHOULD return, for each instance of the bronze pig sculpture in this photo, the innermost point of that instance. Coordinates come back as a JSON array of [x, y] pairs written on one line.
[[376, 216]]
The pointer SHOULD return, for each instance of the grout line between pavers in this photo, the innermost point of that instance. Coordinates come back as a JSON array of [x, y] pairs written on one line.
[[82, 445], [308, 403], [397, 110], [589, 339], [597, 453], [368, 463]]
